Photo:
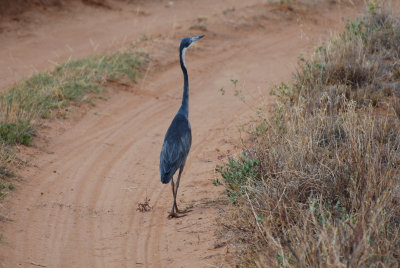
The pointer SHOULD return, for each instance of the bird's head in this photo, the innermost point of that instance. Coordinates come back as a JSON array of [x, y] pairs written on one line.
[[188, 41]]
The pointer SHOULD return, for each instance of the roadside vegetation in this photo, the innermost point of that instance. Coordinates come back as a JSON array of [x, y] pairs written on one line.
[[49, 94], [318, 182]]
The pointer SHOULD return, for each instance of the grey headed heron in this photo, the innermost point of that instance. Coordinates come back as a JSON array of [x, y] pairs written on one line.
[[178, 138]]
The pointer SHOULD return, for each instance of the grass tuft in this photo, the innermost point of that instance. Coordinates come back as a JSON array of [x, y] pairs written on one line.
[[16, 133], [318, 185]]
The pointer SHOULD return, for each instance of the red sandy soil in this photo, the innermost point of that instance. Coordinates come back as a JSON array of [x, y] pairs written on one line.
[[76, 203]]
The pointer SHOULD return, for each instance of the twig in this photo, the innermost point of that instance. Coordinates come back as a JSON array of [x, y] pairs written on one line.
[[130, 188], [37, 264], [255, 216]]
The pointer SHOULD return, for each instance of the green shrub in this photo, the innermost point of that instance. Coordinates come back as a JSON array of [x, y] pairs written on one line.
[[236, 174], [16, 133]]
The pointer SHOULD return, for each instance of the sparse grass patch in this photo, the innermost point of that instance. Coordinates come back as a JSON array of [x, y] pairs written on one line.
[[318, 185], [45, 94]]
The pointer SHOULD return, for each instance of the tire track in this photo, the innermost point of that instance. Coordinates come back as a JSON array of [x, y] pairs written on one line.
[[106, 164]]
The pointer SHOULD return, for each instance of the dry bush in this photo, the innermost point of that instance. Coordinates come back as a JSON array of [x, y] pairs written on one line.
[[324, 190], [318, 185], [362, 65]]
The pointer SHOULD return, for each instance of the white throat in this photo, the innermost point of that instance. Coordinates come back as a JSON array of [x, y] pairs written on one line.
[[183, 56]]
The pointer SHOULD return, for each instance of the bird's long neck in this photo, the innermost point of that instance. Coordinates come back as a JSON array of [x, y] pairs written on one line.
[[185, 98]]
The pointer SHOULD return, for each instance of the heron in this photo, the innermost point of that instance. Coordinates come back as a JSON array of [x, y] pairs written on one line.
[[178, 139]]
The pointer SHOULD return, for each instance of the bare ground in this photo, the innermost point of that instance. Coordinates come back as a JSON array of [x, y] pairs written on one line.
[[76, 204]]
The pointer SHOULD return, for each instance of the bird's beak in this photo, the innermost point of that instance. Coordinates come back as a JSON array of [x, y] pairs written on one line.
[[195, 38]]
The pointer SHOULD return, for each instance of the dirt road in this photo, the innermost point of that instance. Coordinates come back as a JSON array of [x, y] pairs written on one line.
[[76, 205]]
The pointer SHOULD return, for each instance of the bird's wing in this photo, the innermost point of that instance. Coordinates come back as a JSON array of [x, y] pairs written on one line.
[[174, 153], [169, 160], [186, 141]]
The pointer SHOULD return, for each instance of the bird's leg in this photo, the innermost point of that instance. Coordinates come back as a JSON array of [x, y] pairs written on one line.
[[174, 193], [173, 214], [176, 189], [175, 211]]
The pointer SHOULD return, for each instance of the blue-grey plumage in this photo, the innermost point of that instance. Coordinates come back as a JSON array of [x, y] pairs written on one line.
[[176, 147], [178, 139]]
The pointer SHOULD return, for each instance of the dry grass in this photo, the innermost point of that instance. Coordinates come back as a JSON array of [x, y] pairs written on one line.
[[324, 190], [6, 159], [362, 65], [319, 183]]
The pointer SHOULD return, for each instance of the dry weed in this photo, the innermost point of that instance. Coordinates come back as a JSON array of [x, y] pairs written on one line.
[[144, 206]]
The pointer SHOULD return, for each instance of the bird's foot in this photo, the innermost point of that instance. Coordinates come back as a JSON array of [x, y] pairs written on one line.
[[186, 210], [175, 215]]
